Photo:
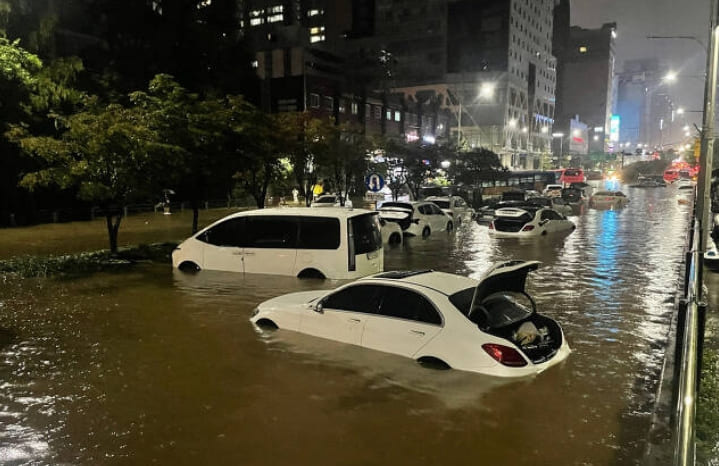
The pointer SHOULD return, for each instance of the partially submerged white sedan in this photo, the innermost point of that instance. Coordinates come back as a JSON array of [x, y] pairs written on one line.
[[490, 326], [528, 221]]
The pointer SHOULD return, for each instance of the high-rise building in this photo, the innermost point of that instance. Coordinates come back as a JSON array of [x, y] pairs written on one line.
[[585, 77], [648, 119]]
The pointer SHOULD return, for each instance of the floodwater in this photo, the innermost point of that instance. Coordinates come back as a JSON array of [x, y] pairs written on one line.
[[152, 366]]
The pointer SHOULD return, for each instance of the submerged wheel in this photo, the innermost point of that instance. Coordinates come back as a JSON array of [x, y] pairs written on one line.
[[189, 267], [430, 362], [311, 273], [426, 232], [395, 238]]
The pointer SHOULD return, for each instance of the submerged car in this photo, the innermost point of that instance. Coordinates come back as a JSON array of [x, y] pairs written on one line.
[[416, 218], [485, 214], [454, 206], [608, 200], [391, 232], [553, 190], [490, 326], [528, 221], [556, 203]]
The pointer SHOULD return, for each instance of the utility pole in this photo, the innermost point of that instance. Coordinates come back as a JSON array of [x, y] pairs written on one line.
[[703, 205]]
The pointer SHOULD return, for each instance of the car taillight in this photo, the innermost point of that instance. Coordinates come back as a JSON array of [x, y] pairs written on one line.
[[491, 225], [504, 355], [528, 228]]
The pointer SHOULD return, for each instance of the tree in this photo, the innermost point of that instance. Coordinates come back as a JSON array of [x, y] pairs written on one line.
[[412, 162], [477, 166], [107, 152]]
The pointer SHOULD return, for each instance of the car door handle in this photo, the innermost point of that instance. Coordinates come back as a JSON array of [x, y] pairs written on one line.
[[417, 332], [354, 321], [249, 253], [237, 253]]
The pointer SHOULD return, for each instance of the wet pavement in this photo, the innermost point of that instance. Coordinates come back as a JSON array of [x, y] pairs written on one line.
[[153, 366]]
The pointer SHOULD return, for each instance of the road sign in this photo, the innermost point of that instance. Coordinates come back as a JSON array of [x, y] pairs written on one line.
[[374, 182]]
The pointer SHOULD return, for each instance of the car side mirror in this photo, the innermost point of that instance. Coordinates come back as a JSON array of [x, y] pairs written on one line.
[[319, 308]]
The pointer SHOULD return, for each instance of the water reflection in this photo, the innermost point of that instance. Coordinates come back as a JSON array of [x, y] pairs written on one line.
[[155, 366]]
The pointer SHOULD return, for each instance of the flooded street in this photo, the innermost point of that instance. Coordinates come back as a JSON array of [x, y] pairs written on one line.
[[153, 366]]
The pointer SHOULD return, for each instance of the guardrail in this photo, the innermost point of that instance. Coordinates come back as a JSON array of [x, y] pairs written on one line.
[[689, 339]]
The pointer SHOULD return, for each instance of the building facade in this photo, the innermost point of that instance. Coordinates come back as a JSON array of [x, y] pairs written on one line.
[[585, 77], [647, 113]]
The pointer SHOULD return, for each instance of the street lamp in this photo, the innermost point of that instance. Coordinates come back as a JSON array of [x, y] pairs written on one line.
[[561, 140]]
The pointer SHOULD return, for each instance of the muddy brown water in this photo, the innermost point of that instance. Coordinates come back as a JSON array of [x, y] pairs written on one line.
[[152, 366]]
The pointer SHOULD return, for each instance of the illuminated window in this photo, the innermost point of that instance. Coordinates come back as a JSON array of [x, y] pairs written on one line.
[[311, 13], [317, 30], [255, 63], [314, 100], [275, 18], [389, 114], [256, 21], [377, 112], [314, 39], [329, 103], [276, 9], [256, 13], [583, 49], [355, 108], [396, 116]]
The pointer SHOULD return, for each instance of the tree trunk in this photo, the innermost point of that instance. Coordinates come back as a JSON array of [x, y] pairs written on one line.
[[112, 230], [195, 215]]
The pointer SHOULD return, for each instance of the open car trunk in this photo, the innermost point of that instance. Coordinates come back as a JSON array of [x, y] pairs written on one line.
[[501, 307], [538, 337]]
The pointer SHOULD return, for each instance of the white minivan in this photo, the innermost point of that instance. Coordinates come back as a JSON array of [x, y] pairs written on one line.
[[314, 243]]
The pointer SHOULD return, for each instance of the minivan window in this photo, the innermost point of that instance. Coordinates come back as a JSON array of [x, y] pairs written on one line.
[[230, 233], [366, 232], [272, 232], [406, 304], [443, 204], [319, 233]]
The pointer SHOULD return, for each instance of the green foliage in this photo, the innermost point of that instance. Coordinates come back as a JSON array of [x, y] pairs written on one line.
[[476, 166], [86, 262], [19, 71], [707, 417]]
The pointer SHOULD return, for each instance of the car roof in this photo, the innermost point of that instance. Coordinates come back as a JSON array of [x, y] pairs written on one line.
[[445, 283], [339, 212]]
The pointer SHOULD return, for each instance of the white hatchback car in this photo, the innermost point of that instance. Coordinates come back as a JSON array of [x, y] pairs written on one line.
[[454, 206], [416, 218], [528, 221], [489, 326]]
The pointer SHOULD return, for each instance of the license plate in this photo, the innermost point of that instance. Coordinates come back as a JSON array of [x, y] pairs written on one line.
[[373, 255]]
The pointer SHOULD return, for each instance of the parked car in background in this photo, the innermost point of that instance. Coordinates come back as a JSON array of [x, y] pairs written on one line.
[[454, 206], [485, 214], [417, 218], [528, 221], [608, 200], [656, 181], [391, 232], [556, 203], [322, 243], [490, 326], [330, 200], [553, 190]]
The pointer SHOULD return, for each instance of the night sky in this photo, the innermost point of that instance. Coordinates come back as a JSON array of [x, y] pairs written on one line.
[[637, 19]]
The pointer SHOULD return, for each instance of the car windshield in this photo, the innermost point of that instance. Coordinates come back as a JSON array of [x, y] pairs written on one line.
[[401, 205], [442, 204], [326, 200]]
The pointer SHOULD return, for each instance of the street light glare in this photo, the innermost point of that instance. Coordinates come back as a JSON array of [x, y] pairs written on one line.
[[486, 90], [671, 76], [680, 111], [557, 135], [512, 123]]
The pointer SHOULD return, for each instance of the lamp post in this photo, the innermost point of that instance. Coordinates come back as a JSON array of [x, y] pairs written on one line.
[[561, 140]]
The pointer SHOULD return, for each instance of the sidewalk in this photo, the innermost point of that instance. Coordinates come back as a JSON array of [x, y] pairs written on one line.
[[73, 237]]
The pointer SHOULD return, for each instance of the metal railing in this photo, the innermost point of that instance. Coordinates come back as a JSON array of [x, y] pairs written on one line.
[[689, 337]]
